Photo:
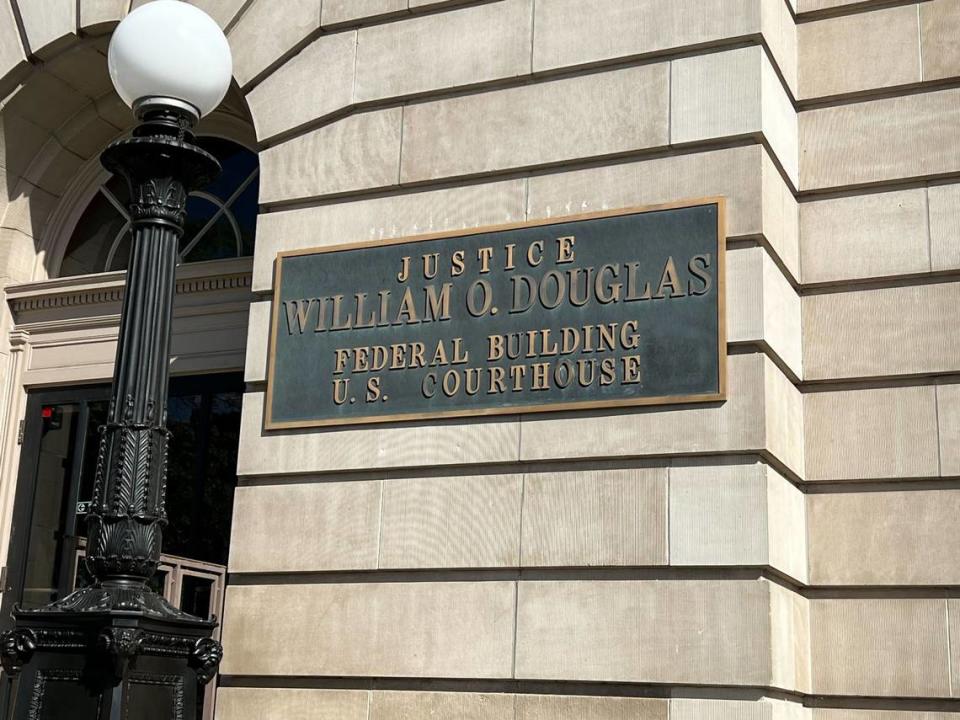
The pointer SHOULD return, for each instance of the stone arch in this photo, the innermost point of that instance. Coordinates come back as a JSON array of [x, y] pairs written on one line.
[[53, 125]]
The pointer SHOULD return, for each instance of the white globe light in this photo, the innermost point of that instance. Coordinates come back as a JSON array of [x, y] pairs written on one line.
[[170, 49]]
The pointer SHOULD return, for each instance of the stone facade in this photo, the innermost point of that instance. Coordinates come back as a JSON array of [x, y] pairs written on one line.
[[789, 553]]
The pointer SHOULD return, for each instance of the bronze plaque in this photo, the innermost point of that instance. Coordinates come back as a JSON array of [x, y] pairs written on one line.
[[609, 309]]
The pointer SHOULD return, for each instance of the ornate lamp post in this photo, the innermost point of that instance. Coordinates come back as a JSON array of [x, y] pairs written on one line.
[[116, 649]]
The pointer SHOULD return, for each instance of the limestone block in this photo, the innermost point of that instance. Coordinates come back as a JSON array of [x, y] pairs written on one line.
[[944, 227], [223, 11], [695, 708], [13, 60], [948, 423], [406, 705], [736, 514], [382, 446], [884, 538], [17, 256], [858, 52], [880, 140], [762, 410], [314, 83], [444, 50], [884, 331], [853, 714], [420, 629], [548, 122], [939, 28], [382, 218], [98, 16], [566, 707], [46, 101], [758, 203], [258, 340], [789, 640], [874, 433], [731, 94], [49, 24], [779, 29], [670, 631], [29, 209], [354, 153], [953, 614], [468, 521], [571, 32], [53, 168], [595, 518], [84, 69], [305, 527], [335, 12], [864, 236], [762, 306], [255, 50], [242, 703], [879, 647]]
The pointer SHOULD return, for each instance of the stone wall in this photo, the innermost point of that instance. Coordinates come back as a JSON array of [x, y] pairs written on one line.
[[790, 553]]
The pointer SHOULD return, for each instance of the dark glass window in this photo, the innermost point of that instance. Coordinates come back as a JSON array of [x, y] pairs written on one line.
[[221, 218]]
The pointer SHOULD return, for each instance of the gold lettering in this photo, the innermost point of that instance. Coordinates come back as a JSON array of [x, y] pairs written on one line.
[[565, 249], [423, 385], [608, 292], [496, 381], [568, 374], [438, 307], [608, 370], [495, 343], [416, 355], [629, 339], [540, 378], [538, 246], [322, 315], [669, 279], [632, 284], [379, 361], [510, 265], [483, 255], [472, 298], [373, 389], [560, 280], [361, 323], [398, 356], [297, 311], [408, 311], [460, 355], [452, 388], [575, 299], [404, 269], [440, 355], [517, 372], [337, 324], [582, 377], [474, 388], [343, 355], [517, 280], [361, 359], [456, 263], [699, 270], [431, 261], [631, 369], [570, 340], [608, 337], [340, 386], [545, 349]]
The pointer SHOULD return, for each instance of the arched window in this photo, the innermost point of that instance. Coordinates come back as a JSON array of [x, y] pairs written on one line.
[[221, 218]]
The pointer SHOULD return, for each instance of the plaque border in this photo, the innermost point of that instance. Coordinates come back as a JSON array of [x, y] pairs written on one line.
[[719, 396]]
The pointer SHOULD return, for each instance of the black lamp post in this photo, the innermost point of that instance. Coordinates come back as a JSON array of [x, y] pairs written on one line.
[[116, 649]]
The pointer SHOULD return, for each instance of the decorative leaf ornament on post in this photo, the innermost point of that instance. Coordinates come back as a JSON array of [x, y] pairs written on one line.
[[116, 649]]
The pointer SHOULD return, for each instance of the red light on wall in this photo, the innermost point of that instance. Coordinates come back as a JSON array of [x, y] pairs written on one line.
[[47, 412]]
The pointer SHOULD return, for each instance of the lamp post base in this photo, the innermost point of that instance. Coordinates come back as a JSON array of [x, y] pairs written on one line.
[[108, 664]]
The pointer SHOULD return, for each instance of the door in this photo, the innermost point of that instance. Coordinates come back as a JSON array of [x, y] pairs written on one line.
[[55, 490]]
